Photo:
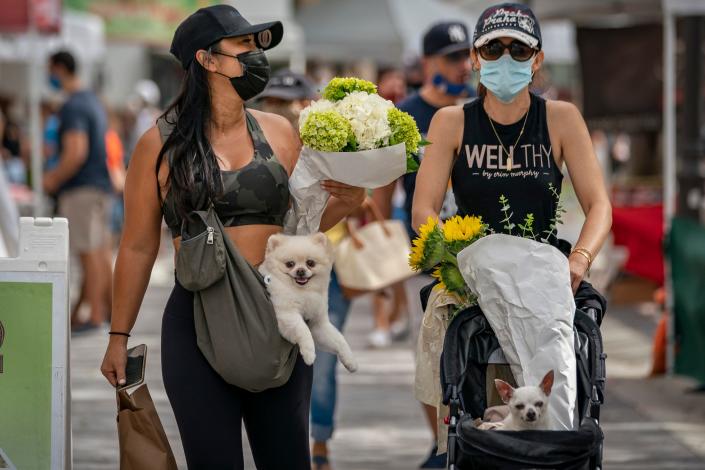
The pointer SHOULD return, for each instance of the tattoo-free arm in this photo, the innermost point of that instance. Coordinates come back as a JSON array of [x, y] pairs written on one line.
[[74, 151], [586, 176], [432, 179]]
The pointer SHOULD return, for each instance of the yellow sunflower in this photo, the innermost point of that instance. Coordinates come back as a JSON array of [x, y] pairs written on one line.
[[417, 255], [459, 228], [437, 274]]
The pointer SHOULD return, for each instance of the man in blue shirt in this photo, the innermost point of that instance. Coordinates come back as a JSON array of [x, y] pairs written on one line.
[[446, 68], [81, 183]]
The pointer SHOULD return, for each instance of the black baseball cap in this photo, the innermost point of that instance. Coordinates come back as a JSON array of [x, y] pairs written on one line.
[[211, 24], [445, 38], [514, 20], [288, 85]]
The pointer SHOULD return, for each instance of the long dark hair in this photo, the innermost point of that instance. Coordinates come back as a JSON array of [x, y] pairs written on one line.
[[194, 174]]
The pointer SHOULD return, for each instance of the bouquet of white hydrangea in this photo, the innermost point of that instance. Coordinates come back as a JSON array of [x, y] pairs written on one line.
[[351, 135]]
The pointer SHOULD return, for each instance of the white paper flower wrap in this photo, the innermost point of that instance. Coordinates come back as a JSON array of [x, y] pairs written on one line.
[[365, 169], [523, 288]]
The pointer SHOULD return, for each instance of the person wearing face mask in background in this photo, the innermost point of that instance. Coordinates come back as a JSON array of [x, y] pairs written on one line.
[[446, 72], [81, 182], [513, 143], [208, 146], [287, 93]]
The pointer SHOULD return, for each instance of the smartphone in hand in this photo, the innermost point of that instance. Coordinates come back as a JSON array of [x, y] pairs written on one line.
[[134, 370]]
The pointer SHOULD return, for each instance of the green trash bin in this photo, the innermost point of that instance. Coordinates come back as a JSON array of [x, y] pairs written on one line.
[[686, 250]]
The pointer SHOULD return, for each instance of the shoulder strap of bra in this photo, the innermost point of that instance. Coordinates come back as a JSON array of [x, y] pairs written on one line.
[[166, 125], [259, 140]]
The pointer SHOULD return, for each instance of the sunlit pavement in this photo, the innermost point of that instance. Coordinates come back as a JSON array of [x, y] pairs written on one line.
[[648, 423]]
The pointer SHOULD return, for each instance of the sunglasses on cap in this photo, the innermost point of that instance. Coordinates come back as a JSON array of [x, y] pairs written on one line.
[[494, 49]]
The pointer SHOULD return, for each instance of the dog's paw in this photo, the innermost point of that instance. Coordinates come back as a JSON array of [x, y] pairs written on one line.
[[349, 363], [491, 426], [309, 355]]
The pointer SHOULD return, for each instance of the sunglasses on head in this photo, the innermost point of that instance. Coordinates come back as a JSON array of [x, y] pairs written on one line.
[[494, 49]]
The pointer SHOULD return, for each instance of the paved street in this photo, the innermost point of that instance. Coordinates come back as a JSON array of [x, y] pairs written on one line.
[[648, 423]]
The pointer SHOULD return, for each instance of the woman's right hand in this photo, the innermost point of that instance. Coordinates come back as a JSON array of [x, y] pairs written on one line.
[[115, 360]]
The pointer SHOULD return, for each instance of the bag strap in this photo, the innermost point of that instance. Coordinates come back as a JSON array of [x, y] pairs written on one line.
[[373, 208]]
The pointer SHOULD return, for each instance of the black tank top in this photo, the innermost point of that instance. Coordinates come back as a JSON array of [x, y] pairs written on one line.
[[481, 176]]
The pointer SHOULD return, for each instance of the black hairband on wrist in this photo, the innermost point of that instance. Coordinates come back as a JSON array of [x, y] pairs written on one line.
[[119, 333]]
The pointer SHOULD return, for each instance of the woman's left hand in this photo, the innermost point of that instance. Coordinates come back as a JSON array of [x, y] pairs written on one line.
[[578, 267], [351, 196]]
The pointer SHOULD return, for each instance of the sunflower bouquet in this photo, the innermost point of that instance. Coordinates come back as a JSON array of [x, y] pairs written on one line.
[[351, 135], [437, 247]]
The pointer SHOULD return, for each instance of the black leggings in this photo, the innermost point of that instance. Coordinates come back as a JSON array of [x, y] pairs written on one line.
[[209, 411]]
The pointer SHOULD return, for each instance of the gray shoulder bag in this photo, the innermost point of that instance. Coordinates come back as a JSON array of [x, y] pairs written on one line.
[[236, 326]]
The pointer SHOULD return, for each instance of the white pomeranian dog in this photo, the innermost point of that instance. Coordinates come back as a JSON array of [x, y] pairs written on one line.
[[296, 270]]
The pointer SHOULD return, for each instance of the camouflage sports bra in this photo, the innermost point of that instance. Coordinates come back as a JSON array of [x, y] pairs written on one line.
[[256, 194]]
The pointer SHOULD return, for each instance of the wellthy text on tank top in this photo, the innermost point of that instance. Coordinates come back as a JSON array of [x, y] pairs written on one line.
[[527, 161]]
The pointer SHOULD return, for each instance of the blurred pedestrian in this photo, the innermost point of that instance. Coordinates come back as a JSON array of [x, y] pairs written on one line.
[[446, 67], [9, 216], [12, 148], [144, 105], [208, 147], [50, 120], [391, 85], [389, 306], [82, 183], [116, 155], [287, 94]]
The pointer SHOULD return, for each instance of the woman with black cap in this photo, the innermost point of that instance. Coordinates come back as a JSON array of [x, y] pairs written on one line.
[[215, 149], [512, 143]]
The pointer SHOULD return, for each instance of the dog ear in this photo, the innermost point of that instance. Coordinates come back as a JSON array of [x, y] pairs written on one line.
[[547, 383], [321, 238], [273, 242], [505, 390]]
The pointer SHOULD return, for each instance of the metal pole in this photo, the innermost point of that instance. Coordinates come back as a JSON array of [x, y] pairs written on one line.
[[669, 165], [35, 131]]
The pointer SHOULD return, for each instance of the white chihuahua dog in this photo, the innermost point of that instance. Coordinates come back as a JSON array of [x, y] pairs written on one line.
[[297, 271], [528, 406]]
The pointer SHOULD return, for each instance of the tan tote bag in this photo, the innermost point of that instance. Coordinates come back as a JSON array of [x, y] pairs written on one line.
[[374, 256]]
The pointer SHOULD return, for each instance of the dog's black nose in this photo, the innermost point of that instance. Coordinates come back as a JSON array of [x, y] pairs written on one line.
[[301, 272], [531, 415]]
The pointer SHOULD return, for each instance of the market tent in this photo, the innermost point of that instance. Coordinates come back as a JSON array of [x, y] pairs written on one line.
[[383, 31]]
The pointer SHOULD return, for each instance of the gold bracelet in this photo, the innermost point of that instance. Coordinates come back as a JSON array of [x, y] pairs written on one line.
[[586, 253]]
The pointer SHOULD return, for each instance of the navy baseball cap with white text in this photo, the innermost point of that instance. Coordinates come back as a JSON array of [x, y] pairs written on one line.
[[445, 38]]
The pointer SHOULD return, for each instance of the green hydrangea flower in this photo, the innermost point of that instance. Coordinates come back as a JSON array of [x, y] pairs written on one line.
[[327, 131], [404, 130], [338, 88]]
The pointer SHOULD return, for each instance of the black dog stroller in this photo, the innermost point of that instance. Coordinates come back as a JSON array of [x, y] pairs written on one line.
[[470, 345]]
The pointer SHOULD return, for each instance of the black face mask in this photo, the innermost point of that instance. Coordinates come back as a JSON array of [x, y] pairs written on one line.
[[255, 73]]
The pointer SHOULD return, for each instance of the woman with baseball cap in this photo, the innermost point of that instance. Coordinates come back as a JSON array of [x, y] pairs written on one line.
[[512, 143], [208, 147]]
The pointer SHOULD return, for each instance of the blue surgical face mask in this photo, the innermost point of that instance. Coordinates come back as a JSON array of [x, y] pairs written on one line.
[[505, 77], [54, 82], [452, 89]]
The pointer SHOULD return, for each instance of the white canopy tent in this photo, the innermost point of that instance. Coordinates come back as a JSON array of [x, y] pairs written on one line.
[[383, 31]]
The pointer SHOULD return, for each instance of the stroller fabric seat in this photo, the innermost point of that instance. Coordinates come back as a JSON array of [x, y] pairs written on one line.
[[526, 449]]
